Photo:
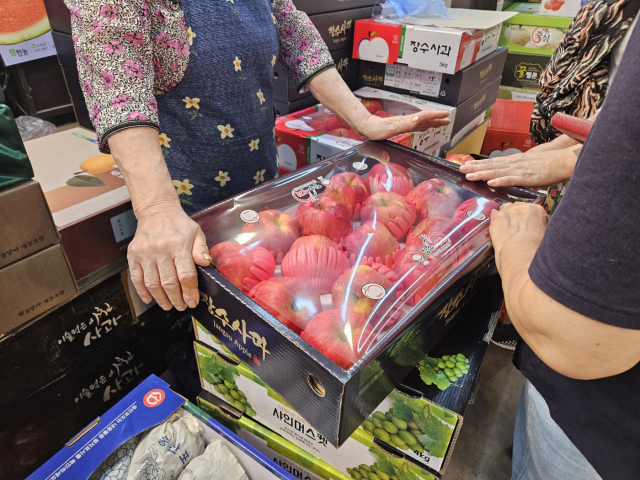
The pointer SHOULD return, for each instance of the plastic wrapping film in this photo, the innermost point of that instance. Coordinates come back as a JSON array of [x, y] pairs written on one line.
[[345, 249]]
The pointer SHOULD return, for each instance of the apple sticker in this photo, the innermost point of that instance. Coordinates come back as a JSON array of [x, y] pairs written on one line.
[[287, 157], [375, 50], [360, 165], [249, 216], [374, 291]]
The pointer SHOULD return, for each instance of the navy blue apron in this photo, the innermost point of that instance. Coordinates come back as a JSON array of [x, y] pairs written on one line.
[[218, 124]]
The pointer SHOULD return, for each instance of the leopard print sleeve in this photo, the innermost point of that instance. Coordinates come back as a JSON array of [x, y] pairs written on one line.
[[303, 53], [125, 53]]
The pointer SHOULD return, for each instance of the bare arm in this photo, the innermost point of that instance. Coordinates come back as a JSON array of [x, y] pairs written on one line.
[[167, 242], [568, 342], [333, 92]]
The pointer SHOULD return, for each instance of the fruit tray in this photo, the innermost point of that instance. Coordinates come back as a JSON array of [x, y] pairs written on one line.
[[333, 281]]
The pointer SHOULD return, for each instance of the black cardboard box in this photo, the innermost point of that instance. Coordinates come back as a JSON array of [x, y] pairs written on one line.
[[285, 91], [312, 7], [59, 15], [333, 399], [523, 70], [436, 87], [336, 28], [285, 108], [473, 107], [27, 225]]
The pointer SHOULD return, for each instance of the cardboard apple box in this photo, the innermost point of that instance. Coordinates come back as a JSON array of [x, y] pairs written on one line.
[[313, 134], [437, 45]]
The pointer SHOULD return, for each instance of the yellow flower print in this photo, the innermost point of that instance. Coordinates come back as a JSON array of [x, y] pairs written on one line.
[[277, 161], [254, 144], [273, 61], [191, 102], [190, 35], [260, 95], [183, 187], [231, 1], [274, 130], [164, 140], [226, 131], [259, 176], [237, 63], [223, 178], [273, 17]]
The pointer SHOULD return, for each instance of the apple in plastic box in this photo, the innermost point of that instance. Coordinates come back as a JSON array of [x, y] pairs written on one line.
[[383, 114], [349, 189], [473, 213], [459, 158], [434, 197], [326, 217], [372, 105], [326, 123], [390, 209], [315, 260], [244, 266], [390, 177], [419, 272], [371, 243], [434, 234], [362, 287], [276, 231], [336, 334], [292, 302]]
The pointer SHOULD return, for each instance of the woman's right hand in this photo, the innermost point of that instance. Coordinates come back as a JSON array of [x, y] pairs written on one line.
[[535, 168], [162, 255]]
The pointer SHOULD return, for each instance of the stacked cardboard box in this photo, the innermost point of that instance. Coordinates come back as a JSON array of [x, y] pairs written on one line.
[[335, 21]]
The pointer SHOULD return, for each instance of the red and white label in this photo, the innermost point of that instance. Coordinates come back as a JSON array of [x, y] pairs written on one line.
[[154, 398], [249, 216], [374, 291]]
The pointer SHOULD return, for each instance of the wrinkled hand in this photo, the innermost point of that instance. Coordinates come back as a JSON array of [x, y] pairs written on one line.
[[536, 169], [519, 224], [162, 255], [378, 128]]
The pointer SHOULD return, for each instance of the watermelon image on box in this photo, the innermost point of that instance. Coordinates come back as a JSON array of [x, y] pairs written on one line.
[[22, 20]]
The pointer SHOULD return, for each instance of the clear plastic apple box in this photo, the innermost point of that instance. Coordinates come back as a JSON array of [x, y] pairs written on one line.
[[341, 251]]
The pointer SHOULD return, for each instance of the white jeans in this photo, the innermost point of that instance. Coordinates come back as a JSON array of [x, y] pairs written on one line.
[[541, 450]]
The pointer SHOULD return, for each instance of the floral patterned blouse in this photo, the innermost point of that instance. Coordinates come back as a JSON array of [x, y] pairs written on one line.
[[130, 50]]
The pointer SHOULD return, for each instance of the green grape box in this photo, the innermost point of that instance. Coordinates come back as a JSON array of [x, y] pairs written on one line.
[[299, 461]]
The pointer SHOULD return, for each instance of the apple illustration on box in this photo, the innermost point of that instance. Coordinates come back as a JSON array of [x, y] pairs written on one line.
[[373, 49]]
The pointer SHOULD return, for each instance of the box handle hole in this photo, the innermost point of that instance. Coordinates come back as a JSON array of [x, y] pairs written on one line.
[[316, 386]]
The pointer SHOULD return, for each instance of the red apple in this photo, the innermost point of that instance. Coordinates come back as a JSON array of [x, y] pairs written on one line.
[[434, 198], [371, 243], [345, 133], [325, 217], [315, 260], [372, 105], [473, 213], [418, 272], [326, 123], [244, 266], [361, 288], [276, 231], [432, 233], [292, 302], [349, 189], [383, 114], [459, 158], [390, 209], [336, 334], [390, 177]]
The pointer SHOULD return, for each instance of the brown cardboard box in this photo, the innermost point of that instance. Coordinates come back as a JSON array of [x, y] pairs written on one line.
[[87, 196], [27, 225], [33, 286]]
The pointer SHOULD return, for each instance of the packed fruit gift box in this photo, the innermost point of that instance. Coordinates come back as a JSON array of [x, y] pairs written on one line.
[[332, 282]]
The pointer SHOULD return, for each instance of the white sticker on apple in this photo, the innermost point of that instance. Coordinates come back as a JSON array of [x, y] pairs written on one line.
[[374, 291], [287, 157], [360, 165], [298, 125], [479, 216], [249, 216], [376, 50]]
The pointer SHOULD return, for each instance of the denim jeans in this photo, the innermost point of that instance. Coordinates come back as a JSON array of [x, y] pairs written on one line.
[[541, 450]]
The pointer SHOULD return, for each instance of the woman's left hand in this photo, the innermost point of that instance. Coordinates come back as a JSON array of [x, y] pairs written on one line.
[[378, 128]]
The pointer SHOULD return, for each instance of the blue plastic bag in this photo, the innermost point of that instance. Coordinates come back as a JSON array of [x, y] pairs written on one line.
[[406, 8]]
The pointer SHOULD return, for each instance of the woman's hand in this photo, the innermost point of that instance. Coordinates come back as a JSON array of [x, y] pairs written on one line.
[[162, 255], [378, 128], [535, 169]]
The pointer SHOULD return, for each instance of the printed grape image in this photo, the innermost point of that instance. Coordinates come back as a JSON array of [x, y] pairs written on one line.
[[388, 468], [443, 371], [410, 425], [221, 375]]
